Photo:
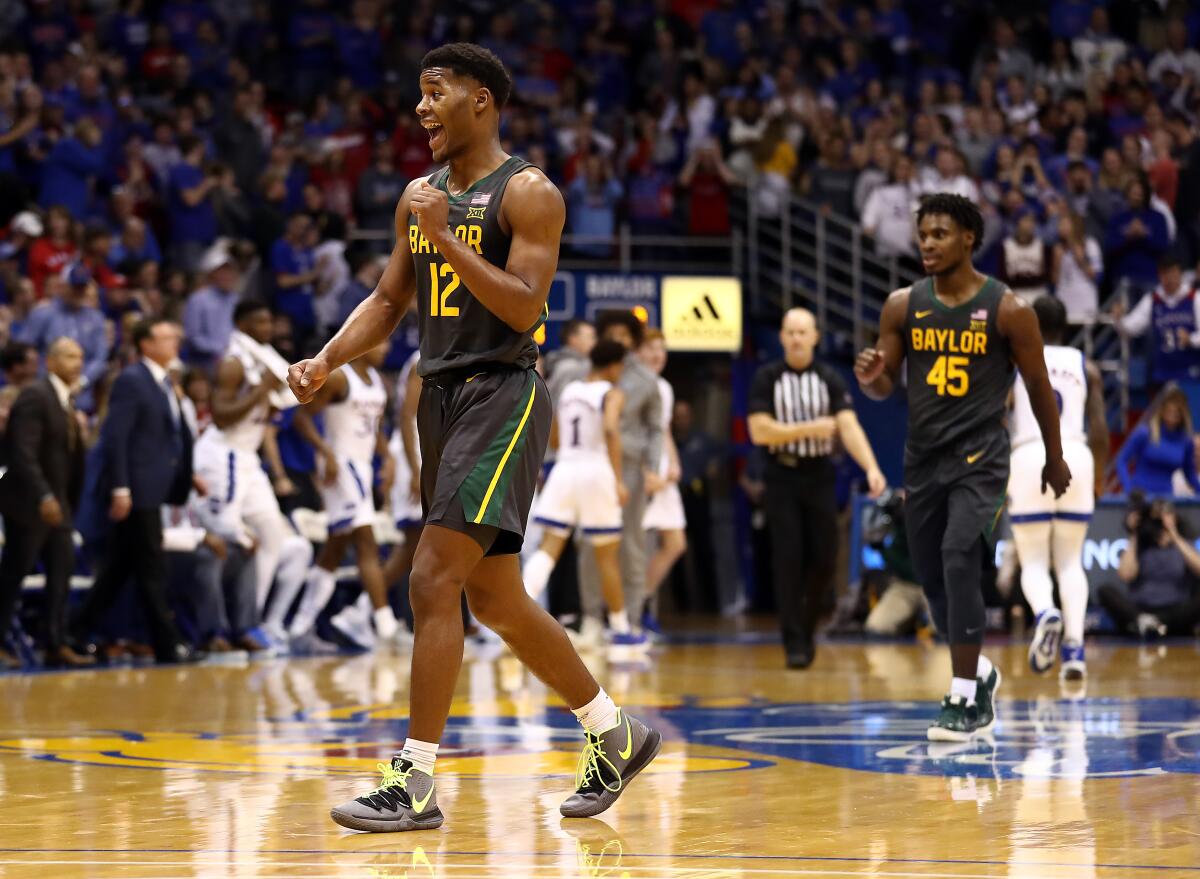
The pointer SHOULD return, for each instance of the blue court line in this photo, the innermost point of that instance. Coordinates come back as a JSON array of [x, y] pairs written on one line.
[[658, 855]]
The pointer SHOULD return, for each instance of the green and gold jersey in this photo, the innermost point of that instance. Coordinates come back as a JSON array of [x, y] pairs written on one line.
[[959, 367], [456, 330]]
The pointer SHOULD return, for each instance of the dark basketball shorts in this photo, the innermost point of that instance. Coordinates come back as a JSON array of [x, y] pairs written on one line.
[[483, 437], [954, 496]]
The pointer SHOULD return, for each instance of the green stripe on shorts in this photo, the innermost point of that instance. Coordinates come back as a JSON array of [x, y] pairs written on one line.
[[482, 492]]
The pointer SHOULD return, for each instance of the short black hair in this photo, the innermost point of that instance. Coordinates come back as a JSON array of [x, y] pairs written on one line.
[[571, 327], [144, 329], [606, 353], [482, 65], [247, 307], [958, 208], [627, 319], [188, 143], [1051, 317], [1169, 260], [14, 354]]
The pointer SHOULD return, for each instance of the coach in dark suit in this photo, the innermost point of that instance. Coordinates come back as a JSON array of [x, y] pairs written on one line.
[[145, 453], [43, 448]]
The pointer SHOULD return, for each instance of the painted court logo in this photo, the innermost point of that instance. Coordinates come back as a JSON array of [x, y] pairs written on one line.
[[1045, 738], [1099, 738]]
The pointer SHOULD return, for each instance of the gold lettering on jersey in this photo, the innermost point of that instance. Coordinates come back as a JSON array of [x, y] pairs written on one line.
[[418, 243], [476, 213], [471, 235], [949, 341]]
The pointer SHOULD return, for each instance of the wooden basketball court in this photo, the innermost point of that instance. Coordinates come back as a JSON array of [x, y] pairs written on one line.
[[229, 771]]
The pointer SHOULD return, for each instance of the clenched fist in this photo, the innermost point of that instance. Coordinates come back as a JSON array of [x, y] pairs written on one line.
[[431, 207], [306, 377]]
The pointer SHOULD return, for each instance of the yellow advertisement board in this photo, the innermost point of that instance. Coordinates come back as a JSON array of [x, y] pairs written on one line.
[[702, 313]]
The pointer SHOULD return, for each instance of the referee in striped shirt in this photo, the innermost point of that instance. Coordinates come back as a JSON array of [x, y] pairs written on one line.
[[797, 408]]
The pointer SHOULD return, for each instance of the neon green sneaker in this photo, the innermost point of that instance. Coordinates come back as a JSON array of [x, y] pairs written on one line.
[[404, 800], [608, 763]]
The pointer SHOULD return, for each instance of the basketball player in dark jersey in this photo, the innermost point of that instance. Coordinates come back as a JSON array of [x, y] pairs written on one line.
[[477, 246], [961, 333]]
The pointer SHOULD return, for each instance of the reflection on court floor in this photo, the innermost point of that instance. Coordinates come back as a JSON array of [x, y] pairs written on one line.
[[220, 770]]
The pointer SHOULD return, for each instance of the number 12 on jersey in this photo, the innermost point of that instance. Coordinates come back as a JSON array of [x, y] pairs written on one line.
[[949, 376], [437, 294]]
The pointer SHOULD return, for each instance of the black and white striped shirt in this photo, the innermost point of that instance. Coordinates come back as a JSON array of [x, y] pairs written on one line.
[[793, 396]]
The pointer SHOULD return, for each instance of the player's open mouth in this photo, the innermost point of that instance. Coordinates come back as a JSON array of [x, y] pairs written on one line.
[[929, 262], [437, 135]]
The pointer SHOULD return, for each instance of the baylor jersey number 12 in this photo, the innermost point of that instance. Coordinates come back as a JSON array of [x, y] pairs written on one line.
[[457, 331]]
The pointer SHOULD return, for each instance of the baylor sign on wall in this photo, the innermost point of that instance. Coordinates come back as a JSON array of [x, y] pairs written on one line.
[[702, 313]]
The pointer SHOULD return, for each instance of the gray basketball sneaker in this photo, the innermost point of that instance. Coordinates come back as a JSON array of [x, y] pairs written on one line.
[[404, 800], [608, 763]]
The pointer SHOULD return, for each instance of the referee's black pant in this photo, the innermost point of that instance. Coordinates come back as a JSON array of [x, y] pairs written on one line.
[[801, 508]]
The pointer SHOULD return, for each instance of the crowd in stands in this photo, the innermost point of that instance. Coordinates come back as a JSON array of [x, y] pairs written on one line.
[[174, 158]]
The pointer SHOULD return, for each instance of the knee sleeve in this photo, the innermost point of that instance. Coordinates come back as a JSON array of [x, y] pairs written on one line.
[[965, 616]]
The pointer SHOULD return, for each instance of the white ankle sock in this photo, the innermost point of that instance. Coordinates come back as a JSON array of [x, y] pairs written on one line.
[[385, 622], [964, 688], [984, 668], [536, 573], [619, 622], [422, 755], [599, 715]]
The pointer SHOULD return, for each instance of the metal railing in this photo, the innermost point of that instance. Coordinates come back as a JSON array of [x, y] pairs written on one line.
[[804, 255], [627, 251]]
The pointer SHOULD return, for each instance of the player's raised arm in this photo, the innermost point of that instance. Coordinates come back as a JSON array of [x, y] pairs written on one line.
[[533, 209], [878, 368], [373, 320], [1018, 323]]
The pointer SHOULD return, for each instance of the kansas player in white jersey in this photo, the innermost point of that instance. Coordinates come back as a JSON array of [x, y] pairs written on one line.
[[664, 512], [584, 490], [1048, 531], [353, 401], [240, 494], [406, 488]]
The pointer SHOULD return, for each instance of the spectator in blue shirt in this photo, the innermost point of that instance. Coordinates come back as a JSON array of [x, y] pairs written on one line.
[[592, 200], [70, 168], [208, 314], [1070, 18], [48, 32], [89, 101], [193, 220], [183, 18], [294, 268], [129, 32], [360, 47], [1136, 238], [135, 244], [1159, 447], [311, 34], [67, 312], [719, 27]]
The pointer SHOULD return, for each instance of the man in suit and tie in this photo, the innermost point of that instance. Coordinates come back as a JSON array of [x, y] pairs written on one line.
[[146, 460], [43, 448]]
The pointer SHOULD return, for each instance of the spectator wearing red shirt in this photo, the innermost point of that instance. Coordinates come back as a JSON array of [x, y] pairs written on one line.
[[54, 252], [707, 179], [97, 242], [156, 60]]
